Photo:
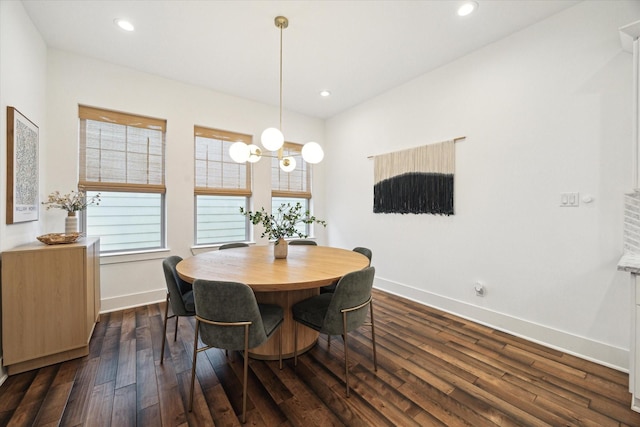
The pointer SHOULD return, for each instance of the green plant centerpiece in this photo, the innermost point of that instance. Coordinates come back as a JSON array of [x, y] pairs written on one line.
[[282, 223]]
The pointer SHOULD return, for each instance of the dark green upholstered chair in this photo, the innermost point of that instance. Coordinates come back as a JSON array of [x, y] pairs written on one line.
[[364, 251], [233, 245], [303, 242], [339, 312], [229, 317], [179, 296]]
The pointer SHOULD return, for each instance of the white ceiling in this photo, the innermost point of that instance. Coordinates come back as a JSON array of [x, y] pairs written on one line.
[[355, 49]]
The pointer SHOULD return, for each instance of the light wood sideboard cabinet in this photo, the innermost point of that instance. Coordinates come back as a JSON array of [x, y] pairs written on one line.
[[50, 302]]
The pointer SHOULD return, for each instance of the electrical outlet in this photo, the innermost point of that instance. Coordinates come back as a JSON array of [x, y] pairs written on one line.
[[480, 289]]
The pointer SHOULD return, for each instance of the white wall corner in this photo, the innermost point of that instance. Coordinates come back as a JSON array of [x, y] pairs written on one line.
[[594, 351], [628, 34]]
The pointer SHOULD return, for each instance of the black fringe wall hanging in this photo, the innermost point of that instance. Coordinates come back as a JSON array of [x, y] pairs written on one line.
[[417, 180]]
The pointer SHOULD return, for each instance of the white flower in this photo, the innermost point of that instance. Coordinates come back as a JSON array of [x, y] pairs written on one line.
[[71, 202]]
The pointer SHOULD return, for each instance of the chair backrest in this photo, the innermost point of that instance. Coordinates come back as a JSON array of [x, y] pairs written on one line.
[[303, 242], [228, 302], [353, 289], [175, 285], [364, 251], [233, 245]]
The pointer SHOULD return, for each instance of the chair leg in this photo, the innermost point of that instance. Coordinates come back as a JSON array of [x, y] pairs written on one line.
[[246, 371], [346, 350], [329, 341], [193, 364], [373, 336], [295, 344], [164, 331], [175, 333]]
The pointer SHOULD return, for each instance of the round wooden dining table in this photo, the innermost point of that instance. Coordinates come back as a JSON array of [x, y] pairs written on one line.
[[276, 281]]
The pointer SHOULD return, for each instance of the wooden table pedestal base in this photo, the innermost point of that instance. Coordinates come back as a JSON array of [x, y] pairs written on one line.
[[306, 337]]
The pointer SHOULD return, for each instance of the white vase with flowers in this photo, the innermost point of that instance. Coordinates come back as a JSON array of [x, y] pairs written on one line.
[[72, 202]]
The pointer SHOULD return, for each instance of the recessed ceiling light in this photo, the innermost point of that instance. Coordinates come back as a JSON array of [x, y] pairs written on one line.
[[124, 24], [325, 93], [467, 8]]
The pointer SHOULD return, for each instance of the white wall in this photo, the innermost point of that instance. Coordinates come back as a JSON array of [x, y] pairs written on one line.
[[22, 85], [74, 80], [546, 110], [23, 57]]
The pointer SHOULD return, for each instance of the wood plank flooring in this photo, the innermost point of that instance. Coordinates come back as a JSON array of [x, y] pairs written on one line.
[[434, 369]]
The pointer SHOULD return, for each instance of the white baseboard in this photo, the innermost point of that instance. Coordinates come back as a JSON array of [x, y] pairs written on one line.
[[132, 300], [585, 348], [604, 354]]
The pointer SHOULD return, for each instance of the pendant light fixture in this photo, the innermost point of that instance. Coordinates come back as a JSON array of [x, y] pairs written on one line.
[[272, 139]]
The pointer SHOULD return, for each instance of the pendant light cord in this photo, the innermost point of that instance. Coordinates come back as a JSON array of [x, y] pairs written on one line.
[[281, 29], [282, 23]]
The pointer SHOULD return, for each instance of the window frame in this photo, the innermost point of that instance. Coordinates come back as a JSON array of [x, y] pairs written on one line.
[[295, 150], [154, 172], [234, 189], [282, 191]]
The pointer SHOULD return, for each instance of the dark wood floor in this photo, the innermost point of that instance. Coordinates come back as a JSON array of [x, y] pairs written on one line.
[[435, 369]]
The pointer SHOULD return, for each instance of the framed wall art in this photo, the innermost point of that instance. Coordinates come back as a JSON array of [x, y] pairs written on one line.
[[22, 168]]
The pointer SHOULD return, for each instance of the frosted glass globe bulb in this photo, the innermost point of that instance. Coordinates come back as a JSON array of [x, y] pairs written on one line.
[[288, 164], [312, 152], [239, 152], [272, 139]]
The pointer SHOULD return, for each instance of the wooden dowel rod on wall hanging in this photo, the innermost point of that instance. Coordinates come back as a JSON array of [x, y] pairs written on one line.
[[458, 139]]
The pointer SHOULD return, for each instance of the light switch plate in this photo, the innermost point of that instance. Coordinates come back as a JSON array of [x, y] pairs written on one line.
[[569, 200]]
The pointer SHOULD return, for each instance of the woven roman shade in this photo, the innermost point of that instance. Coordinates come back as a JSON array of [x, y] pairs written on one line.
[[291, 184], [215, 172], [121, 151]]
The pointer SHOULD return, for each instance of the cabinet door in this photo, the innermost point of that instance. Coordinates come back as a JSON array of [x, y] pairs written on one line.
[[93, 285], [95, 262], [44, 302]]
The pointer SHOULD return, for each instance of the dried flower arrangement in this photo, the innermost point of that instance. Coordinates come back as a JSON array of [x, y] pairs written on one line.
[[70, 202]]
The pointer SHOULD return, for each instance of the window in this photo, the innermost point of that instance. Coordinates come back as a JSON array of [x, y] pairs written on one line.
[[122, 158], [291, 187], [222, 187], [276, 202]]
